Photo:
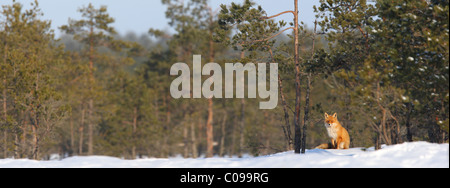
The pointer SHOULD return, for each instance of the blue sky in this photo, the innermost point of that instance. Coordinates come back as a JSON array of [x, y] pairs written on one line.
[[141, 15]]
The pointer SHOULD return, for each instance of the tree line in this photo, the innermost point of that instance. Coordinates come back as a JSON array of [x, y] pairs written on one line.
[[381, 65]]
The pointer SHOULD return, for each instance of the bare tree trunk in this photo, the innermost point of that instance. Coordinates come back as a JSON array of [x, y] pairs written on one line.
[[5, 119], [241, 133], [377, 141], [17, 154], [168, 113], [72, 137], [209, 130], [306, 118], [193, 141], [35, 152], [222, 138], [308, 93], [298, 134], [287, 126], [5, 110], [384, 128], [81, 130], [20, 142], [233, 138], [5, 144], [91, 100], [185, 132], [165, 145], [165, 148], [265, 134], [185, 139], [135, 119], [36, 120], [91, 128], [209, 124], [242, 123], [408, 122]]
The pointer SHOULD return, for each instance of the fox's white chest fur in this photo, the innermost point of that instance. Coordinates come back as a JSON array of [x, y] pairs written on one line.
[[332, 132]]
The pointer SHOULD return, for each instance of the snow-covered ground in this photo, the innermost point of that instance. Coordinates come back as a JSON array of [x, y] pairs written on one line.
[[407, 155]]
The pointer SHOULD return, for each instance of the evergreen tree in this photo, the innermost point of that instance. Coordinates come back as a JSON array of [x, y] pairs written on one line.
[[95, 33], [378, 58], [31, 106], [194, 22], [255, 31], [415, 45]]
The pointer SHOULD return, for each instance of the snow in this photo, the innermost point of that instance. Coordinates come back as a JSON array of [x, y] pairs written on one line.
[[407, 155]]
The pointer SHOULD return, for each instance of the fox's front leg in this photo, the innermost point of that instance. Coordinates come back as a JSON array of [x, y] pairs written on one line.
[[338, 143], [333, 144]]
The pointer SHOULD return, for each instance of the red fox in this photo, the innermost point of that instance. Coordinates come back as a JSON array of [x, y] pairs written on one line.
[[339, 136]]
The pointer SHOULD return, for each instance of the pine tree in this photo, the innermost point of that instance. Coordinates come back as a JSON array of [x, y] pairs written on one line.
[[94, 32], [194, 22], [30, 101], [379, 57], [255, 31], [415, 43]]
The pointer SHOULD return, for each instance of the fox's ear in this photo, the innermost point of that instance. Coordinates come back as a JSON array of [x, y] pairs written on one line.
[[326, 115], [335, 115]]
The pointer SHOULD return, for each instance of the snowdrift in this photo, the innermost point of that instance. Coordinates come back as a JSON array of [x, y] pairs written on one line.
[[407, 155]]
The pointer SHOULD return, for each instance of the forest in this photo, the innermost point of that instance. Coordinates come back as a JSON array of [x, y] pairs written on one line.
[[381, 65]]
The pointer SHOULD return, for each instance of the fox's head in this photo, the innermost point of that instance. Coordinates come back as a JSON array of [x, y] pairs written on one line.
[[330, 120]]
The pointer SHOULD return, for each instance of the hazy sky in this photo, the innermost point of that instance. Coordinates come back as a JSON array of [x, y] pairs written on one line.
[[140, 15]]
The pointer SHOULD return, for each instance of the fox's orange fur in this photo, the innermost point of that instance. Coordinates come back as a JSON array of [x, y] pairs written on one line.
[[339, 136]]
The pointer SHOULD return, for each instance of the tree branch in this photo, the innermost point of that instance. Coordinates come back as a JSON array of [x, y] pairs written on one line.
[[285, 12]]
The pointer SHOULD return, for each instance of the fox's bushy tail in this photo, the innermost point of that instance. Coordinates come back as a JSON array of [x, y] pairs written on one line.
[[324, 146]]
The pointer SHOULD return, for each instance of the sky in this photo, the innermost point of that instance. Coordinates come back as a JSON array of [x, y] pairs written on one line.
[[141, 15]]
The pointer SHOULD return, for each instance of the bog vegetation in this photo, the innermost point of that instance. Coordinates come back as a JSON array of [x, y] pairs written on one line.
[[382, 65]]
